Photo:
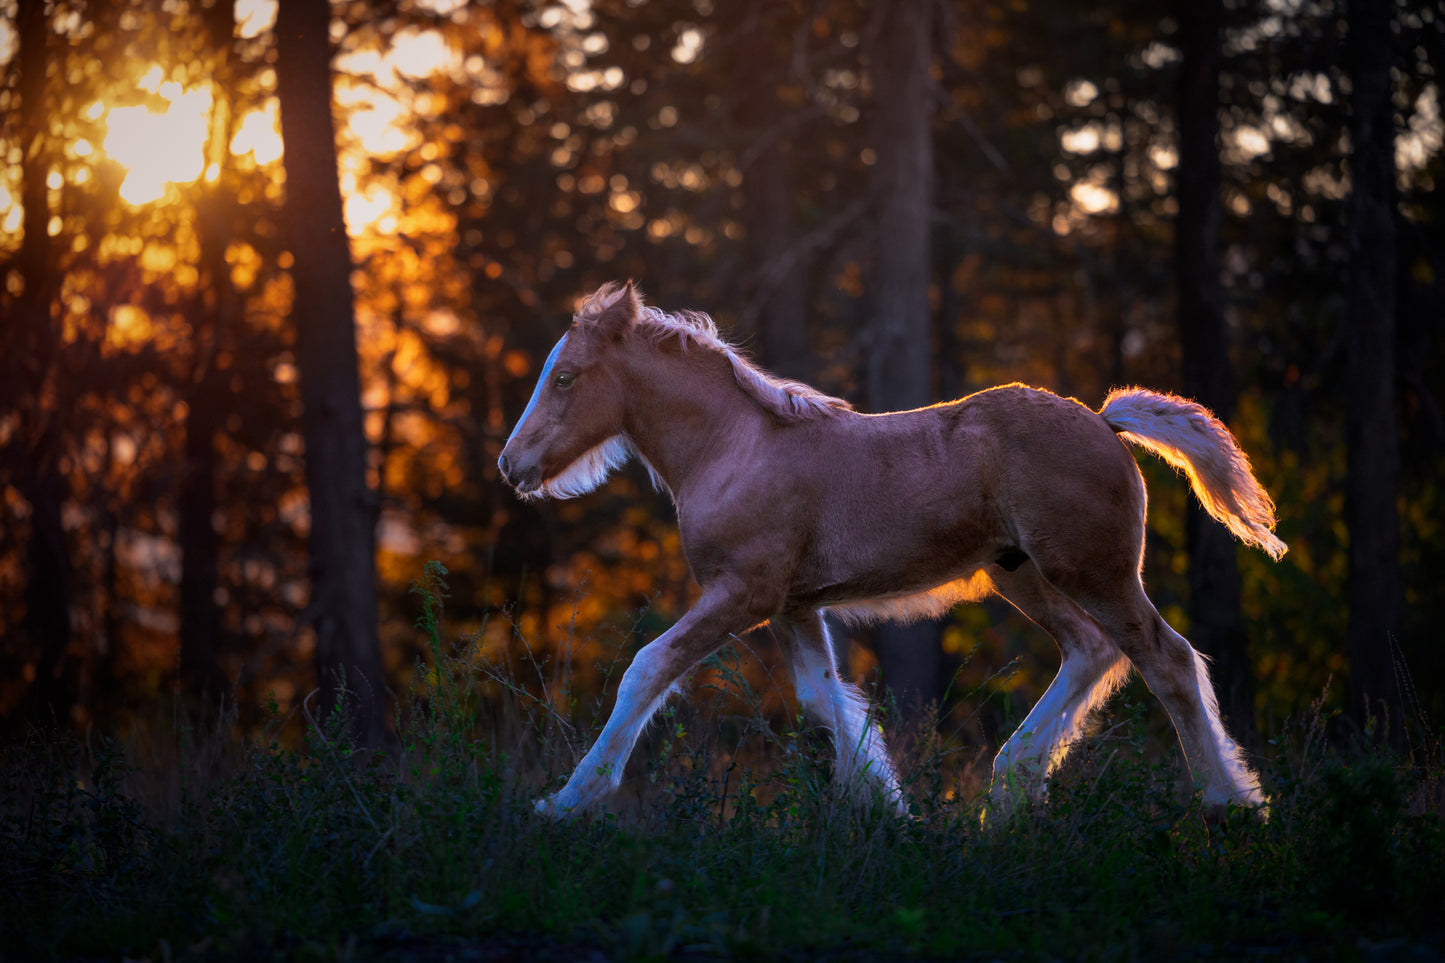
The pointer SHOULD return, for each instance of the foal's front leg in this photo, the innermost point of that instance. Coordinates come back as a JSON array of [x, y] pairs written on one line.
[[717, 617], [862, 766]]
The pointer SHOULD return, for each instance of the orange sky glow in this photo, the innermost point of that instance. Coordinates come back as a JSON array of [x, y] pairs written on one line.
[[161, 143]]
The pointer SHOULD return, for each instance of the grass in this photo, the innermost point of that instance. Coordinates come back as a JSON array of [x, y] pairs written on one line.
[[725, 843]]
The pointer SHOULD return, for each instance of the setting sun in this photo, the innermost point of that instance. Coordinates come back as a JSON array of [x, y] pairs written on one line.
[[162, 142], [159, 130]]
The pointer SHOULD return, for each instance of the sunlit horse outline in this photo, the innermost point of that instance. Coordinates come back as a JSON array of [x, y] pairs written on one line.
[[790, 503]]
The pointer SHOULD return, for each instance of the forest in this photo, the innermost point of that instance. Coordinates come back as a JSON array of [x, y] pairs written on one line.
[[898, 212], [279, 277]]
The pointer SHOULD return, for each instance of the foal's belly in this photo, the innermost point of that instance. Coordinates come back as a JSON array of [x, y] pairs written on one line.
[[898, 564], [864, 603]]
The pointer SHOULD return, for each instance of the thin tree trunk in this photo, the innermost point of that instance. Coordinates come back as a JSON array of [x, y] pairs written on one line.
[[898, 372], [776, 282], [1375, 595], [201, 676], [343, 509], [779, 306], [47, 621], [952, 375], [1216, 623]]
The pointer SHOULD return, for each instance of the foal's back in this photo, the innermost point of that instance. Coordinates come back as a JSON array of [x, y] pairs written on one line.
[[909, 500]]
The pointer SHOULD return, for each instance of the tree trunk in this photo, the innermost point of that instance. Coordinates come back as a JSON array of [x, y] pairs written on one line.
[[779, 299], [201, 676], [343, 509], [775, 279], [898, 372], [1216, 623], [1375, 595], [46, 626], [949, 250]]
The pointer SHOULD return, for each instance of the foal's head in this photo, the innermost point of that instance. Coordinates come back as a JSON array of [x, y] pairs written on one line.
[[570, 437]]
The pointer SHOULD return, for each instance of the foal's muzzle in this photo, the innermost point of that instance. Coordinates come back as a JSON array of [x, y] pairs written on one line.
[[524, 480]]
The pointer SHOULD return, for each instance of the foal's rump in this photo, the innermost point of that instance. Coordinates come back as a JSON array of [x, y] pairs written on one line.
[[922, 503], [933, 498], [1068, 492], [1066, 479]]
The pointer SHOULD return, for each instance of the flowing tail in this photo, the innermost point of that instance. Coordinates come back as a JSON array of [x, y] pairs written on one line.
[[1191, 439]]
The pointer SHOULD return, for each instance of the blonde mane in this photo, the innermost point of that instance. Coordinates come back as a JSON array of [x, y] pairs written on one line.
[[788, 401]]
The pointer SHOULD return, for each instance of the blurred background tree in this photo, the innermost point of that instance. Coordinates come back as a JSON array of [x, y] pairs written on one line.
[[342, 508], [899, 202]]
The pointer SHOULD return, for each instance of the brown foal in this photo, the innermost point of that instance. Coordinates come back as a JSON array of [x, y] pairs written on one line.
[[791, 503]]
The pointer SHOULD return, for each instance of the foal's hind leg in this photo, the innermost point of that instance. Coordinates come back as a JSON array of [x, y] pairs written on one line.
[[1176, 674], [1092, 669], [828, 701]]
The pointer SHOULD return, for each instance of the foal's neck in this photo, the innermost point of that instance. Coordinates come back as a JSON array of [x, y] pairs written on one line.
[[684, 412]]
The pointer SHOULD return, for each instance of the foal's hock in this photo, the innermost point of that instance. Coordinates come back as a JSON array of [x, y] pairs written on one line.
[[791, 503]]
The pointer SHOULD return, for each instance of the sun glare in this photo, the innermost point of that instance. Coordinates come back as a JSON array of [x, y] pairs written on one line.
[[159, 146], [164, 144]]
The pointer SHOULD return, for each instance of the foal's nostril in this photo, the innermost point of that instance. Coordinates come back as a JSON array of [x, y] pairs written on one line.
[[505, 468]]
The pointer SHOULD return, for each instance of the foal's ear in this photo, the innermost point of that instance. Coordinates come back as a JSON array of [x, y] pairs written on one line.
[[621, 314]]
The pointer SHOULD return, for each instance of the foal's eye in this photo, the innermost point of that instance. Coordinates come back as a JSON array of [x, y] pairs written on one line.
[[564, 379]]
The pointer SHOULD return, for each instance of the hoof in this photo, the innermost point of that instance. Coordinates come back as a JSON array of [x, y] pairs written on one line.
[[1007, 804], [554, 809], [864, 796], [570, 802], [1236, 812]]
